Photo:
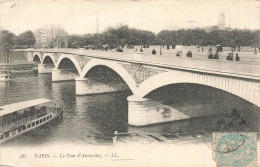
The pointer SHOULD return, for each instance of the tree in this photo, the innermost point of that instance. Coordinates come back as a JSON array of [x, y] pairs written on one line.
[[26, 39], [74, 41], [18, 42], [6, 45]]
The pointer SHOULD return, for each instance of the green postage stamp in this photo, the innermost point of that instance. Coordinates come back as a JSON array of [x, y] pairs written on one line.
[[235, 149]]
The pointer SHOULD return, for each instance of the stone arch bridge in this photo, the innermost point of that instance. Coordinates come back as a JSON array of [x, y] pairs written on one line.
[[143, 74]]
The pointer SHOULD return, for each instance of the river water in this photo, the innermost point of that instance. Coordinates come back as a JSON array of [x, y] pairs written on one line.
[[89, 119]]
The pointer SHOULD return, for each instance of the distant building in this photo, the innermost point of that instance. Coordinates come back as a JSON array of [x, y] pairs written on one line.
[[40, 36], [60, 42], [221, 25], [221, 21], [45, 36]]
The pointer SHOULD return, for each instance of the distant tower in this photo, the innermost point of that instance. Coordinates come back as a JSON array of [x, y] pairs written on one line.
[[221, 21], [97, 27]]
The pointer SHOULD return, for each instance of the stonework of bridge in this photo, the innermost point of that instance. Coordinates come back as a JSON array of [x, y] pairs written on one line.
[[143, 74]]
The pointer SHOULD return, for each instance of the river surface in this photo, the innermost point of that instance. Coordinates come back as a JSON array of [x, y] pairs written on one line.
[[87, 119]]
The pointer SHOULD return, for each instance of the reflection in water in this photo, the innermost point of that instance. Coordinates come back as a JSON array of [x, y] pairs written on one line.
[[91, 119]]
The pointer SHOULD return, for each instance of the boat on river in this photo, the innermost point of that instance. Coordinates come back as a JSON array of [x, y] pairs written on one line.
[[5, 75], [19, 118]]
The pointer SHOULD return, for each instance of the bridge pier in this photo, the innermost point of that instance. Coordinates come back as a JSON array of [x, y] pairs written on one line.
[[63, 75], [144, 111], [88, 86], [44, 69]]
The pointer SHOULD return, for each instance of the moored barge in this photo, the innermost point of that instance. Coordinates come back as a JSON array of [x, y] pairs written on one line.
[[19, 118]]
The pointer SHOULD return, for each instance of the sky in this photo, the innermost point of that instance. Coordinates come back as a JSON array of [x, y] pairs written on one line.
[[81, 16]]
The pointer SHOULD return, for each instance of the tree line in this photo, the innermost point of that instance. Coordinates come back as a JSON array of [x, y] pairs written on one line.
[[125, 36], [201, 37], [9, 40], [113, 37]]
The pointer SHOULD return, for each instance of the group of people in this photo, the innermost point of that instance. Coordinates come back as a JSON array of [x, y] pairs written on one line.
[[213, 56], [210, 56], [230, 57], [179, 54], [216, 55]]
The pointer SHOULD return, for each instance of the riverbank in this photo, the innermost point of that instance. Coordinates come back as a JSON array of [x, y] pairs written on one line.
[[23, 67]]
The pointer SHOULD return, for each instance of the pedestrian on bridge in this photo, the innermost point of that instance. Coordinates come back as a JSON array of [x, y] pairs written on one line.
[[237, 57], [154, 52], [141, 49], [216, 56], [189, 54], [179, 53], [210, 49], [210, 56], [229, 57]]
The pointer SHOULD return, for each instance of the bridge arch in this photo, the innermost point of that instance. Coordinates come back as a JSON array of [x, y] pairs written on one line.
[[71, 58], [36, 57], [115, 67], [49, 56], [244, 89]]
